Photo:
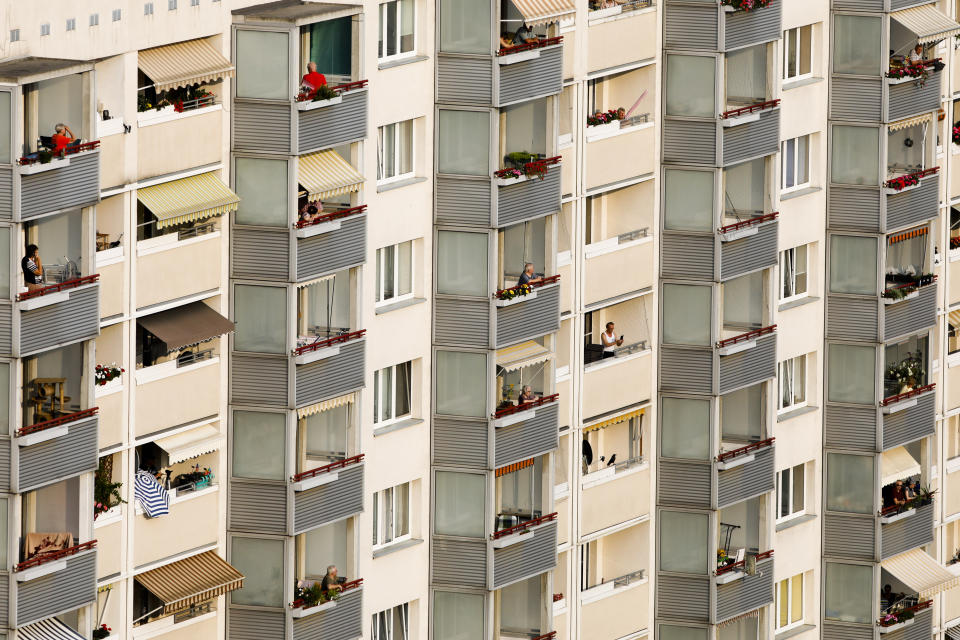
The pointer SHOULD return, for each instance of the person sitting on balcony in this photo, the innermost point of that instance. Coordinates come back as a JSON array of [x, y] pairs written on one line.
[[313, 78], [899, 494], [330, 581], [526, 395], [610, 341], [528, 276], [32, 268], [310, 212], [916, 56], [63, 138]]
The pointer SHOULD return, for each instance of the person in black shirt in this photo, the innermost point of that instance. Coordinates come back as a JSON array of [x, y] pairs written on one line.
[[528, 276], [330, 581], [32, 268]]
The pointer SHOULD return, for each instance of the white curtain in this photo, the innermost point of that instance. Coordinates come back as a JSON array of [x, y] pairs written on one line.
[[323, 547], [462, 263], [850, 481], [326, 434], [684, 542], [743, 301], [849, 596], [688, 200], [520, 490], [857, 45], [686, 428], [908, 257], [460, 504], [458, 616], [262, 187], [261, 562], [522, 243], [747, 75], [855, 154], [852, 372], [742, 629], [259, 445], [263, 65], [465, 27], [687, 311], [5, 259], [741, 413], [744, 189], [853, 265], [463, 142], [461, 383], [261, 318], [691, 82]]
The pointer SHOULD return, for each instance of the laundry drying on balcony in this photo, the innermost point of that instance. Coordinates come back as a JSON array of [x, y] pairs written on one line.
[[151, 495]]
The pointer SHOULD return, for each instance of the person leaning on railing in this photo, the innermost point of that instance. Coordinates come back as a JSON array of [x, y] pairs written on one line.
[[32, 268]]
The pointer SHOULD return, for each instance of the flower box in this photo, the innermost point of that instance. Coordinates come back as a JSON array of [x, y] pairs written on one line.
[[113, 386], [40, 167], [506, 182], [598, 130], [909, 296], [310, 105], [897, 627], [605, 13], [303, 612], [506, 303]]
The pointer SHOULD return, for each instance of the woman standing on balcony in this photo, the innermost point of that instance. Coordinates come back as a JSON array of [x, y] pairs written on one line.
[[32, 268]]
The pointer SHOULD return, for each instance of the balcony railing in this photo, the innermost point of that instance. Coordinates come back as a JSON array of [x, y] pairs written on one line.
[[330, 217], [60, 286], [329, 342], [746, 224], [346, 586], [910, 180], [523, 526], [746, 337], [547, 636], [68, 151], [526, 406], [900, 397], [532, 169], [36, 561], [339, 89], [897, 616], [333, 466], [530, 46], [742, 451], [521, 289], [753, 108], [734, 566], [56, 422]]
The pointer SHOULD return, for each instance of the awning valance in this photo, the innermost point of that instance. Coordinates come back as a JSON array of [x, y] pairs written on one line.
[[325, 173], [516, 466], [192, 443], [187, 325], [307, 283], [49, 629], [909, 122], [188, 199], [908, 235], [522, 355], [920, 572], [536, 12], [191, 581], [326, 405], [623, 417], [927, 23], [183, 64], [898, 464], [954, 318]]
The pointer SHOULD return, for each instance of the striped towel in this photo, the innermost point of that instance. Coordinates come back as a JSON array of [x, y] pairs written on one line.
[[49, 629], [151, 495]]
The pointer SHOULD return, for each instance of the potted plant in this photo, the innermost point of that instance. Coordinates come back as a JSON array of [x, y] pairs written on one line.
[[105, 373], [517, 159], [103, 631], [106, 493], [44, 156], [514, 292], [314, 596], [746, 5], [907, 374]]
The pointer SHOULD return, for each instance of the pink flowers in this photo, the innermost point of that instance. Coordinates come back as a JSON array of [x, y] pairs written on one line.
[[747, 5], [603, 117], [956, 133]]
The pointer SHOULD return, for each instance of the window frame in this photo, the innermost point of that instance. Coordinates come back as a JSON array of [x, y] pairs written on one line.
[[397, 151], [788, 274], [379, 300], [797, 185], [394, 418], [382, 31], [789, 604], [798, 47], [386, 512], [791, 471], [787, 374]]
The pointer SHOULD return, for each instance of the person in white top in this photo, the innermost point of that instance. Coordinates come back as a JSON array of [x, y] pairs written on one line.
[[917, 54], [610, 341]]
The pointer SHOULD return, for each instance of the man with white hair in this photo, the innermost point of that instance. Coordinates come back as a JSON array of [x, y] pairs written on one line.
[[62, 138], [330, 581], [313, 78], [528, 276]]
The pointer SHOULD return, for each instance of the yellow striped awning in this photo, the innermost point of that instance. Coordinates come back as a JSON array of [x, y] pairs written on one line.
[[623, 417], [332, 403], [909, 122], [191, 581], [516, 466], [954, 318], [522, 355], [183, 64], [326, 173], [920, 572], [188, 199], [927, 23], [908, 235], [536, 12]]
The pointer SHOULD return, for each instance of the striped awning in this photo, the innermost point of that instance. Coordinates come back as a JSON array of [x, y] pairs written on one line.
[[536, 12], [188, 199], [927, 23], [325, 173], [516, 466], [897, 464], [326, 405], [307, 283], [908, 235], [49, 629], [920, 572], [192, 443], [522, 355], [909, 122], [623, 417], [953, 318], [191, 581], [750, 614], [954, 633], [183, 64]]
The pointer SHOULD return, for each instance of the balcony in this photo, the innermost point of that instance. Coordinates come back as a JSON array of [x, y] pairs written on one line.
[[199, 246], [51, 584], [897, 626], [619, 612], [58, 184], [520, 317], [905, 528], [534, 193], [905, 200], [745, 472], [746, 359], [612, 383], [745, 247], [622, 154], [524, 72], [911, 95], [742, 134], [907, 308], [740, 590], [630, 255], [615, 495], [56, 449], [341, 618], [697, 26], [525, 431], [327, 368], [59, 314], [908, 416], [327, 494], [621, 35], [195, 132], [524, 551], [163, 536]]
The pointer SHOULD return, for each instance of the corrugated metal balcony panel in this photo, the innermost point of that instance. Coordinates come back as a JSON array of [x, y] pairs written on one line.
[[530, 199], [337, 124], [748, 594], [529, 438], [691, 27], [854, 208], [75, 185], [690, 141], [896, 5], [464, 201], [531, 318], [258, 507], [910, 424], [465, 79], [5, 464], [344, 621], [262, 126], [856, 99], [921, 629], [6, 327], [258, 380], [747, 28], [6, 193], [459, 562], [687, 370], [260, 254], [541, 76], [329, 502], [60, 458], [460, 322], [859, 5], [333, 376], [61, 323], [849, 536], [914, 206], [910, 316], [753, 139], [684, 484], [4, 600], [684, 598], [749, 367], [907, 99], [535, 554], [253, 624], [748, 480], [840, 631], [853, 317], [853, 428], [70, 588], [687, 256], [460, 442], [909, 533], [749, 254], [333, 251]]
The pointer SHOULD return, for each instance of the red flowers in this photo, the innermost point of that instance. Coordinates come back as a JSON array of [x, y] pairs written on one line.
[[603, 117], [103, 631], [747, 5]]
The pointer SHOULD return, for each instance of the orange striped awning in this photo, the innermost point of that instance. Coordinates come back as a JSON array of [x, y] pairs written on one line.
[[908, 235], [516, 466], [191, 581]]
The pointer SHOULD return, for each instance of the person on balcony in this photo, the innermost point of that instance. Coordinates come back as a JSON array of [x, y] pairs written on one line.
[[528, 276], [313, 78], [916, 56], [310, 212], [330, 581], [526, 395], [62, 138], [32, 268], [610, 341]]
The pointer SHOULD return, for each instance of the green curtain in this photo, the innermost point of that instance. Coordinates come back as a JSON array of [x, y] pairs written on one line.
[[330, 45]]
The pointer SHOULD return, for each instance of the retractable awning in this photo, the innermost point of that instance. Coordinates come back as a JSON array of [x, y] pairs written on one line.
[[308, 283], [188, 199], [929, 24], [954, 318], [49, 629], [522, 355], [954, 633], [187, 325], [326, 405], [191, 581], [192, 443], [325, 173], [516, 466], [909, 122], [536, 12], [920, 572], [898, 464], [183, 64], [623, 417]]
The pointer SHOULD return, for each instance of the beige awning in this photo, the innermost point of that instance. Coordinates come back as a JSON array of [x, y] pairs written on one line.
[[898, 464], [929, 24], [623, 417], [188, 199], [522, 355], [332, 403], [192, 443], [183, 64], [920, 572], [954, 633], [326, 173], [536, 12], [191, 581], [954, 318], [308, 283], [909, 122], [185, 326]]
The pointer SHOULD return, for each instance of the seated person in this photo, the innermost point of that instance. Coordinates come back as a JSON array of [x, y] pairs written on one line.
[[916, 56], [330, 581], [523, 35], [899, 494], [62, 138], [527, 395], [310, 212], [313, 80], [528, 276]]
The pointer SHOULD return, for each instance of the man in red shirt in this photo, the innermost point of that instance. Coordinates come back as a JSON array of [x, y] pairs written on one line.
[[313, 79], [62, 138]]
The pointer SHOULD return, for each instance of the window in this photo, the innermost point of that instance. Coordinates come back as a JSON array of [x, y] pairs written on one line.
[[94, 19], [792, 375], [391, 393], [746, 75], [259, 445], [194, 3], [856, 44], [148, 9], [261, 563], [793, 273], [851, 373], [690, 85], [117, 15], [45, 29], [71, 24], [391, 515], [685, 431], [790, 602], [171, 5], [263, 64], [673, 632], [684, 541], [465, 27], [260, 314], [744, 302], [463, 142], [796, 163], [459, 504], [262, 187], [6, 101], [395, 272], [397, 30], [395, 150], [742, 414], [688, 200], [686, 314], [392, 624], [850, 481], [791, 493], [855, 152], [849, 592], [456, 615], [853, 265], [462, 263], [461, 383], [797, 47], [14, 35]]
